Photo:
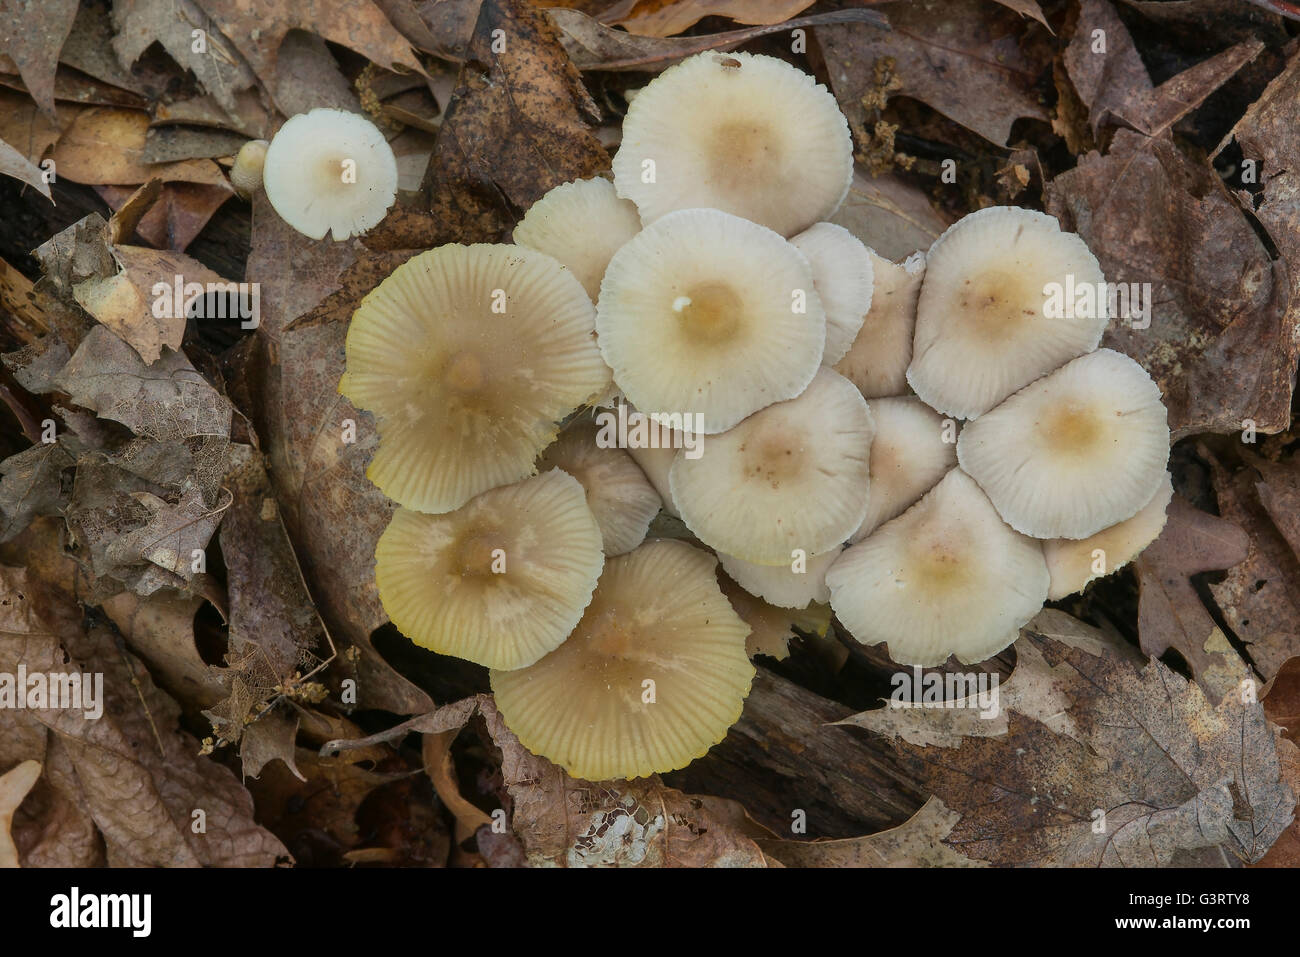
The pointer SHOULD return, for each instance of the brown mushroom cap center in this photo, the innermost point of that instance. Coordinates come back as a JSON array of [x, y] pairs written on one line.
[[1072, 426], [938, 560], [464, 373], [477, 552], [774, 456], [999, 303], [744, 153], [709, 312], [337, 171]]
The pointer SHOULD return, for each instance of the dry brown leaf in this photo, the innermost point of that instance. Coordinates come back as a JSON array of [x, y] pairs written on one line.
[[594, 46], [160, 630], [137, 773], [1171, 613], [1221, 341], [15, 164], [171, 24], [917, 842], [258, 28], [1260, 596], [178, 216], [1142, 771], [1281, 698], [963, 58], [436, 753], [665, 18], [519, 123], [106, 146], [14, 785], [31, 34]]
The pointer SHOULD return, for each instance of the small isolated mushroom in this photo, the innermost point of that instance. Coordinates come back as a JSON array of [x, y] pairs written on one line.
[[842, 274], [983, 325], [618, 493], [330, 171], [792, 477], [1073, 563], [582, 224], [782, 585], [913, 449], [746, 134], [246, 174], [468, 356], [652, 677], [770, 626], [947, 577], [706, 313], [877, 360], [500, 581], [1075, 452]]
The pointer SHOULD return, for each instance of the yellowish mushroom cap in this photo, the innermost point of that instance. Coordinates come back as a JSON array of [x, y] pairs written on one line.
[[582, 224], [792, 476], [501, 580], [618, 493], [983, 328], [652, 677], [877, 360], [706, 313], [843, 275], [468, 356], [1075, 452], [747, 134], [782, 585], [246, 173], [909, 455], [656, 462], [947, 577], [1075, 562], [330, 171]]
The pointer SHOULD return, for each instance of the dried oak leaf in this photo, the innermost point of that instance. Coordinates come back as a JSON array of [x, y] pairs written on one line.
[[1111, 79], [519, 123], [15, 164], [666, 18], [106, 146], [219, 68], [14, 785], [258, 27], [962, 58], [1260, 596], [594, 46], [1222, 340], [31, 34], [135, 771], [1137, 770], [178, 215], [1171, 613], [917, 842], [1281, 699], [891, 216]]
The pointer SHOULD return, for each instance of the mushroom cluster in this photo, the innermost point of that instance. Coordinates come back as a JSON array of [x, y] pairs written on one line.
[[807, 397]]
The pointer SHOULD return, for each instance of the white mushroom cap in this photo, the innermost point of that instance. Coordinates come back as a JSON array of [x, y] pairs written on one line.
[[501, 581], [909, 455], [947, 577], [706, 313], [468, 356], [246, 173], [878, 358], [781, 584], [582, 224], [746, 134], [1075, 562], [842, 273], [793, 476], [330, 171], [1074, 452], [618, 493], [982, 325]]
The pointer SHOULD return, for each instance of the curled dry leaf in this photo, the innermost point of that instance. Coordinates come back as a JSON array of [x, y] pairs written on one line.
[[31, 34], [917, 842], [106, 146], [14, 785], [963, 58], [1139, 770]]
